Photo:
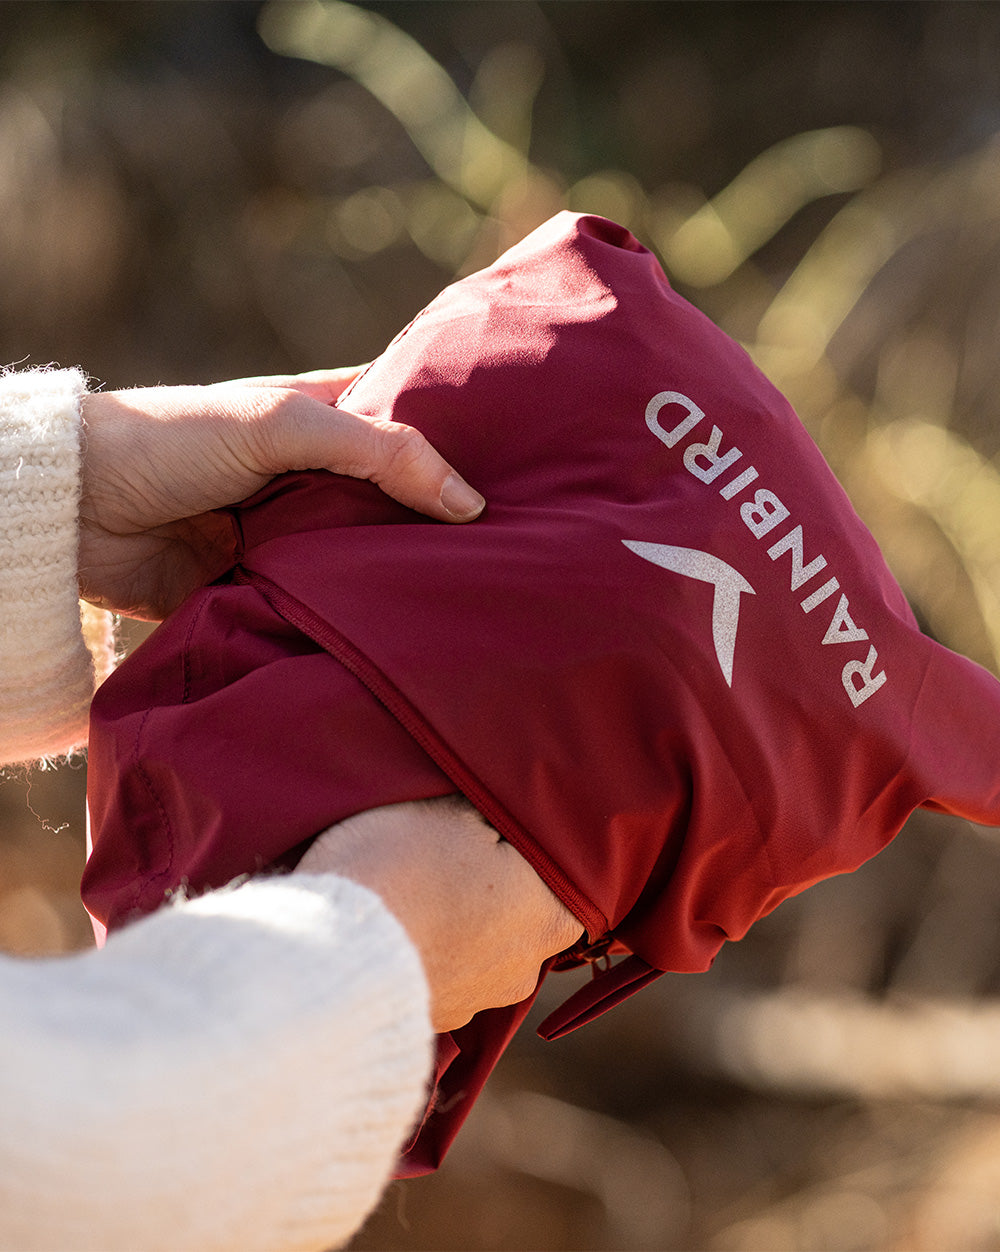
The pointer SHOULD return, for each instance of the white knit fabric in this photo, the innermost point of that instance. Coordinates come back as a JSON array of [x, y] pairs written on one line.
[[236, 1072], [47, 674], [232, 1074]]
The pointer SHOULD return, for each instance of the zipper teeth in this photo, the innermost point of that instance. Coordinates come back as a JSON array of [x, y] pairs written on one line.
[[389, 695]]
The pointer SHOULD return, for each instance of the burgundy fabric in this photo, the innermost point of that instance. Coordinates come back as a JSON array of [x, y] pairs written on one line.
[[668, 663]]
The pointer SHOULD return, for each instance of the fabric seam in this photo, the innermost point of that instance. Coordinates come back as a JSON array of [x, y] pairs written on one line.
[[399, 706]]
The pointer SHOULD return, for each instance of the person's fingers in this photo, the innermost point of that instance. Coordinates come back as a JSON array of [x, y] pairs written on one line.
[[406, 466], [324, 385], [395, 456], [148, 575], [398, 458]]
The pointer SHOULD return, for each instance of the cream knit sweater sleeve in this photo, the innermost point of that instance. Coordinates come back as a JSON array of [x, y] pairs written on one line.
[[234, 1073], [47, 670]]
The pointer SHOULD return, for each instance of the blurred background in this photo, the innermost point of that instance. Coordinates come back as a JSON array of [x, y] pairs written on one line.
[[195, 191]]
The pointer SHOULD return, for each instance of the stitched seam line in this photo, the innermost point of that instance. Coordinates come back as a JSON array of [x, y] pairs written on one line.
[[186, 652], [389, 695], [154, 796]]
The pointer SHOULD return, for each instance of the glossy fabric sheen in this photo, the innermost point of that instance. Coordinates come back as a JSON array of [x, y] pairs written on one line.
[[638, 678]]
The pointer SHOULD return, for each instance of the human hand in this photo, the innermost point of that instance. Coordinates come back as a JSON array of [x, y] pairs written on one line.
[[481, 918], [158, 460]]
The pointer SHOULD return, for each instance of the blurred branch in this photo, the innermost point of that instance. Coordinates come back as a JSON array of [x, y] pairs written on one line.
[[936, 469], [458, 147], [715, 240], [638, 1184], [844, 1044]]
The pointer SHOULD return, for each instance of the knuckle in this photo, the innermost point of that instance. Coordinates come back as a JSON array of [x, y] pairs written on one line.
[[269, 427], [399, 450]]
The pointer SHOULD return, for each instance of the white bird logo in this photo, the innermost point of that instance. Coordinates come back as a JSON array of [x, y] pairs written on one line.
[[729, 586]]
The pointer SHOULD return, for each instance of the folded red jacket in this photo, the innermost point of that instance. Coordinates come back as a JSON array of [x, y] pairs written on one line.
[[668, 663]]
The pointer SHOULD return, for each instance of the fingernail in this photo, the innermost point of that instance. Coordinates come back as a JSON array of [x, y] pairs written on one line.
[[460, 500]]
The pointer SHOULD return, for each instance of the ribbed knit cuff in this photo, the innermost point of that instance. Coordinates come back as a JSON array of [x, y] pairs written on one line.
[[235, 1072], [47, 668]]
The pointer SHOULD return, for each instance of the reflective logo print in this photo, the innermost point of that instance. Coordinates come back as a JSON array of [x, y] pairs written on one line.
[[761, 514], [729, 586]]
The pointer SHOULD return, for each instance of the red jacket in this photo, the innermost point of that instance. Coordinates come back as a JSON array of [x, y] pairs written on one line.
[[668, 663]]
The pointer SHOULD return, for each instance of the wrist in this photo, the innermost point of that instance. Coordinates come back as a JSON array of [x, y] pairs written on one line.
[[481, 919]]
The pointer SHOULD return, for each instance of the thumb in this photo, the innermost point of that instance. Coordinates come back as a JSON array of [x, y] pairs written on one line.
[[302, 434]]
